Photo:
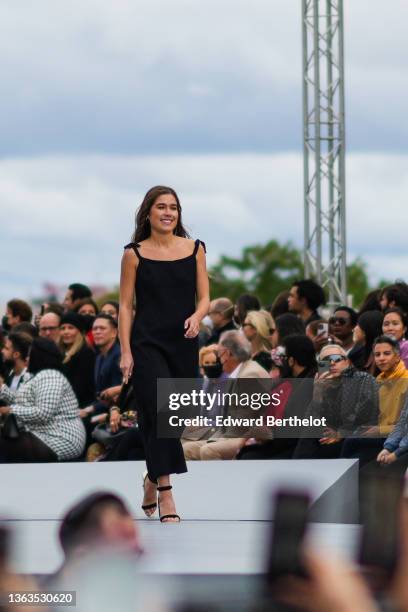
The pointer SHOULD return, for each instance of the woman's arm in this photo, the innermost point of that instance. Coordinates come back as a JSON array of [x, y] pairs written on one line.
[[127, 290], [6, 394], [47, 397], [192, 324]]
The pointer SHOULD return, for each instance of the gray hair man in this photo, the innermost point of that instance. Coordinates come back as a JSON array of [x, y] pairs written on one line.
[[234, 352]]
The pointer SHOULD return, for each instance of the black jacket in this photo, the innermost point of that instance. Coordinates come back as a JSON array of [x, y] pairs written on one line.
[[217, 333], [80, 371]]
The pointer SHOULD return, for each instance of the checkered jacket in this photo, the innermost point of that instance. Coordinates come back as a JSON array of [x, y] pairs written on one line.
[[47, 407]]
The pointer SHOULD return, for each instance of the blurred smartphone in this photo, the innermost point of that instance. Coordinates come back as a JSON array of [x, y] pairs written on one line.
[[322, 329], [381, 495], [4, 546], [322, 368], [287, 535]]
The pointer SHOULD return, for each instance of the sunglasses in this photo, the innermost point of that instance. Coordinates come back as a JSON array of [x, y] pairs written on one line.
[[331, 359], [339, 320]]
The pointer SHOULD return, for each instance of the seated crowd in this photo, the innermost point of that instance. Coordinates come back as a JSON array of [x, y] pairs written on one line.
[[62, 396]]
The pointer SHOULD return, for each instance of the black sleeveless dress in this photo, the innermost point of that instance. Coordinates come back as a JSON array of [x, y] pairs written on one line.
[[165, 298]]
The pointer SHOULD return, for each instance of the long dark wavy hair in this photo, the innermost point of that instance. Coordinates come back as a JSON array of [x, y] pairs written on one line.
[[142, 224]]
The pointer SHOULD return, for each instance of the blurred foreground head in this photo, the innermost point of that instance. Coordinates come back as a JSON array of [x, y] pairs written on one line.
[[99, 521]]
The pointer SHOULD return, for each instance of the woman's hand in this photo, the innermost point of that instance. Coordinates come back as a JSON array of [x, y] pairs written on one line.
[[192, 326], [114, 421], [126, 366], [4, 409]]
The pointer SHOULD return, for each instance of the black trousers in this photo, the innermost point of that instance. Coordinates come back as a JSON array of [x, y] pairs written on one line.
[[128, 447], [363, 449], [279, 448], [310, 448], [164, 455], [27, 448]]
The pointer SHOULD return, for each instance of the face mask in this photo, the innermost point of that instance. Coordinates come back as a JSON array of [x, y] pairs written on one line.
[[214, 370]]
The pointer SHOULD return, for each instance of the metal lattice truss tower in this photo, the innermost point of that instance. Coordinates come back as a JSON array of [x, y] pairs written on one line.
[[324, 146]]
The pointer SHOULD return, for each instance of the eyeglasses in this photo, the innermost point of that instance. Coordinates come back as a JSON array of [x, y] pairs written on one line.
[[49, 328], [339, 320], [331, 359]]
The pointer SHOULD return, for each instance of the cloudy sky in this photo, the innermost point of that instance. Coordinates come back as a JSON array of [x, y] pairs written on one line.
[[101, 99]]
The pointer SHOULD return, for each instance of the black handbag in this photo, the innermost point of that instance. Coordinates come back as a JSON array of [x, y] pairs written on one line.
[[125, 403], [10, 429]]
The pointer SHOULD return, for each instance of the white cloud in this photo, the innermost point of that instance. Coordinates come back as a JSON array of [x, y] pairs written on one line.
[[66, 219], [155, 76]]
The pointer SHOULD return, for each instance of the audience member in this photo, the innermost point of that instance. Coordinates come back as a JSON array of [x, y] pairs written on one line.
[[393, 382], [26, 328], [55, 307], [316, 330], [111, 308], [280, 304], [258, 328], [78, 358], [11, 582], [234, 352], [341, 326], [395, 451], [395, 296], [221, 314], [304, 299], [49, 326], [296, 395], [287, 325], [15, 354], [395, 324], [210, 366], [47, 409], [243, 305], [17, 312], [371, 302], [100, 523], [368, 328], [107, 371], [86, 307], [75, 292], [347, 398]]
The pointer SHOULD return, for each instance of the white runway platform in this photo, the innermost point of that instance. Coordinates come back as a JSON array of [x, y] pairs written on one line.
[[224, 506]]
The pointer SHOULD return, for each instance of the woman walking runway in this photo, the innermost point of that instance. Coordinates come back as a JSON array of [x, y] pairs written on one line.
[[167, 272]]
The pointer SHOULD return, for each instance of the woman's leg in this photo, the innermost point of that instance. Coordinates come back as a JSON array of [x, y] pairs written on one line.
[[167, 505], [164, 455]]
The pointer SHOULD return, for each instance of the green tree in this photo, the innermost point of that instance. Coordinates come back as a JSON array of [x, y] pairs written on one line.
[[264, 270], [268, 269], [357, 281]]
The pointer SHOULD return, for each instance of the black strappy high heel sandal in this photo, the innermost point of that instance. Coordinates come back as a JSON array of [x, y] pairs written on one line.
[[148, 506], [166, 516]]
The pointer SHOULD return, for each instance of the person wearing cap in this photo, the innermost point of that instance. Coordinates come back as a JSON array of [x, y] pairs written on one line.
[[78, 358], [46, 411]]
